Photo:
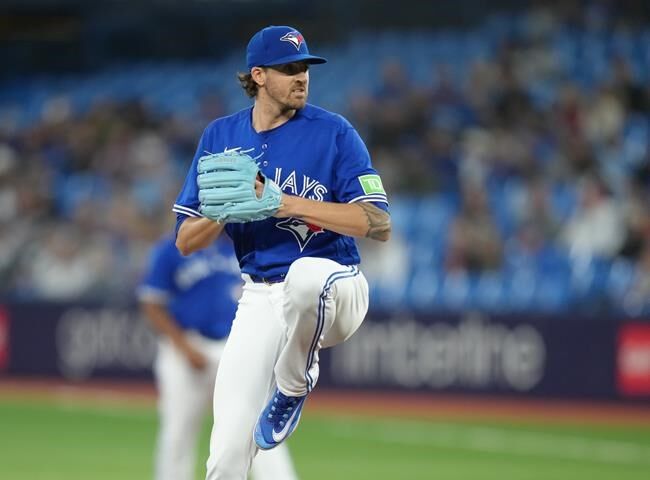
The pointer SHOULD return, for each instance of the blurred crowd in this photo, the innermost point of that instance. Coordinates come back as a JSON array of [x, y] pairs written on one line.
[[530, 180], [84, 195], [82, 198]]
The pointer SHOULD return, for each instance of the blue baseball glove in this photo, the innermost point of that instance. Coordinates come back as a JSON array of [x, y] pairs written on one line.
[[227, 189]]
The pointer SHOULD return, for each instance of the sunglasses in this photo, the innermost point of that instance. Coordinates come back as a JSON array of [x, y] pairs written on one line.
[[290, 68]]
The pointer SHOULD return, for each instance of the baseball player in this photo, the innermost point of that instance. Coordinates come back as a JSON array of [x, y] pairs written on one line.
[[191, 301], [291, 184]]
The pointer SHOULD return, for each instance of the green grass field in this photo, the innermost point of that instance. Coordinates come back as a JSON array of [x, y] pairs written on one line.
[[47, 440]]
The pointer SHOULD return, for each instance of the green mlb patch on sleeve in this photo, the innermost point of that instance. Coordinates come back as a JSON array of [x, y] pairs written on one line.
[[371, 184]]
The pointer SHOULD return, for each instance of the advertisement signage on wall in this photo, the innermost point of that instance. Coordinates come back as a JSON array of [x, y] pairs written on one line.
[[473, 353], [633, 360], [80, 342], [4, 339], [553, 356]]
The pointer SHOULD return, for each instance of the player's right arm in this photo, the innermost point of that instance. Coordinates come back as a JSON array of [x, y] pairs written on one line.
[[154, 294], [358, 219], [196, 233], [361, 205], [162, 322]]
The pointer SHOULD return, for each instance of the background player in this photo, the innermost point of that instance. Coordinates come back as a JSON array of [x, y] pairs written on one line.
[[191, 301], [303, 288]]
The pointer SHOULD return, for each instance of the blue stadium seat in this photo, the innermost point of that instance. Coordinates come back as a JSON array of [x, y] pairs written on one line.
[[620, 279], [490, 293]]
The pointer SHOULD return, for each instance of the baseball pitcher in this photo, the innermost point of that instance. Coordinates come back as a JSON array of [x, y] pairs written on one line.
[[291, 184]]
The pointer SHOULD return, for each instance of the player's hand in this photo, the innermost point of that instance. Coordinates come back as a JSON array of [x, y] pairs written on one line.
[[259, 186], [287, 202], [259, 191], [196, 359]]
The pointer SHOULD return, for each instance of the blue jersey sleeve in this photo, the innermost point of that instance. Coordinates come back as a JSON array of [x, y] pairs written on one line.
[[158, 283], [187, 203], [356, 180]]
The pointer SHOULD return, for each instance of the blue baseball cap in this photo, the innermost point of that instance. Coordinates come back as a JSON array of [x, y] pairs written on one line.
[[275, 45]]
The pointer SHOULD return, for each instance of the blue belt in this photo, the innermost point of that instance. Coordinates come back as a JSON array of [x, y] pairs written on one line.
[[268, 280]]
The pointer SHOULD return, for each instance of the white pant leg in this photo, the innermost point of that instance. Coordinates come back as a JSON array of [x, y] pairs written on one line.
[[324, 304], [273, 464], [245, 381], [183, 397]]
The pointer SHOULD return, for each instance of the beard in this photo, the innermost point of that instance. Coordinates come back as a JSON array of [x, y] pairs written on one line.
[[288, 100]]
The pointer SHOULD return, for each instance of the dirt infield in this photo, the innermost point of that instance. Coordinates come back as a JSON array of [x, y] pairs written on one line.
[[413, 405]]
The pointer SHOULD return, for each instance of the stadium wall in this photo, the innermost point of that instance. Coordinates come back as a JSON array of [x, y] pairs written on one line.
[[548, 356]]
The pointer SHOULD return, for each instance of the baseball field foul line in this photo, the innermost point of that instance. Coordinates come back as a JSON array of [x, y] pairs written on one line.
[[495, 440]]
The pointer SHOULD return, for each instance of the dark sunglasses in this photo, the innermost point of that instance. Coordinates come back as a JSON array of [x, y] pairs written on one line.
[[291, 68]]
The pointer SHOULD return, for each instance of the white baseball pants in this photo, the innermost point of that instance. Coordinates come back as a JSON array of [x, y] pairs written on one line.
[[276, 336], [183, 398]]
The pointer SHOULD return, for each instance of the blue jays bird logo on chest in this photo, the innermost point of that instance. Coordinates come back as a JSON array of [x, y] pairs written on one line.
[[302, 231]]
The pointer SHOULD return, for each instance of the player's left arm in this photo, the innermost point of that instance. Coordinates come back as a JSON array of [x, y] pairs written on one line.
[[359, 219]]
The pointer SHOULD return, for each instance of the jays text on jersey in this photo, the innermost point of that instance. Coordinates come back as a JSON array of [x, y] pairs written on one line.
[[316, 155]]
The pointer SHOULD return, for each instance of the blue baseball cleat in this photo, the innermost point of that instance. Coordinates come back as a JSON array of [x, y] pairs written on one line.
[[278, 420]]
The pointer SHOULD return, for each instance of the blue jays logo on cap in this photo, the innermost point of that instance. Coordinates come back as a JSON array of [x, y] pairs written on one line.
[[276, 45], [295, 38]]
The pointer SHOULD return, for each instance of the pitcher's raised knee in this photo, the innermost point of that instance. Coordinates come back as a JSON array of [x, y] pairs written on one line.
[[305, 281]]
